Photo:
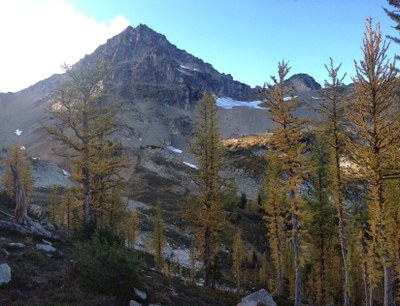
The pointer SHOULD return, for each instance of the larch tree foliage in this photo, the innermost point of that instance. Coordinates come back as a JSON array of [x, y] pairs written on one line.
[[393, 185], [332, 109], [375, 117], [17, 157], [133, 228], [237, 260], [286, 140], [392, 191], [275, 216], [82, 119], [67, 208], [158, 238], [53, 206], [206, 213]]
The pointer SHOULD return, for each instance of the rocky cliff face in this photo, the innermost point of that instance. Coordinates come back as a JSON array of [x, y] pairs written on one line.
[[147, 66]]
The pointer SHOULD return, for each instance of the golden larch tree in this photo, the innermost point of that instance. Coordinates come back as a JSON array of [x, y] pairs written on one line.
[[275, 216], [17, 157], [82, 119], [332, 108], [206, 213], [158, 238], [237, 260], [286, 140], [375, 118]]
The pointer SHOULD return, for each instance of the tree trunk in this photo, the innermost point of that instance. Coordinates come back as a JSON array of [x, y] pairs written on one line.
[[21, 205], [208, 281], [388, 294], [371, 295], [279, 258], [322, 272], [85, 168], [342, 222], [297, 251], [86, 192], [280, 274], [366, 286]]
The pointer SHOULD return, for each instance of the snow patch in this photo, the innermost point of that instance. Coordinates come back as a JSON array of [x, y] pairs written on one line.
[[229, 103], [289, 98], [189, 68], [173, 149], [18, 132], [316, 98], [65, 173], [190, 165]]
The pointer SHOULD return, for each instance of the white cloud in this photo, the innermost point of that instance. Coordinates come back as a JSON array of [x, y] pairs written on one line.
[[37, 37]]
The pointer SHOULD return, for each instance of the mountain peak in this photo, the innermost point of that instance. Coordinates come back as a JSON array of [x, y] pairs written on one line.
[[153, 67], [141, 29], [302, 82]]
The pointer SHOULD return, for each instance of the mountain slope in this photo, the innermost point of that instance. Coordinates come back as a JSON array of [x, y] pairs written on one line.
[[154, 84]]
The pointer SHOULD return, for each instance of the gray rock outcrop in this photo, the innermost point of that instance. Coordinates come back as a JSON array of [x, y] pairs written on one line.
[[258, 298], [5, 274]]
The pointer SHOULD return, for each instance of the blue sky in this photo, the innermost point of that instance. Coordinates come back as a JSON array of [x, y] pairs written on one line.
[[245, 38], [248, 37]]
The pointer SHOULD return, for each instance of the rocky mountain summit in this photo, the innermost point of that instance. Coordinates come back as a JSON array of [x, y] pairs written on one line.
[[146, 65], [302, 83]]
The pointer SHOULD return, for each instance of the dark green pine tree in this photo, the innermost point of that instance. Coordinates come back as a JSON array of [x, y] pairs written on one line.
[[395, 16], [322, 227]]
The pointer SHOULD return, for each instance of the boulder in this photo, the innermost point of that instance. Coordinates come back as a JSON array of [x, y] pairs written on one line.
[[140, 294], [134, 303], [5, 274], [46, 248], [16, 245], [258, 298]]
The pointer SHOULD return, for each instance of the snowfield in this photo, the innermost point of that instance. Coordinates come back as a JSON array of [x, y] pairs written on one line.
[[229, 103]]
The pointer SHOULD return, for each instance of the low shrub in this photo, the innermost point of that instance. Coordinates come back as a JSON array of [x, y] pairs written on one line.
[[104, 264]]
